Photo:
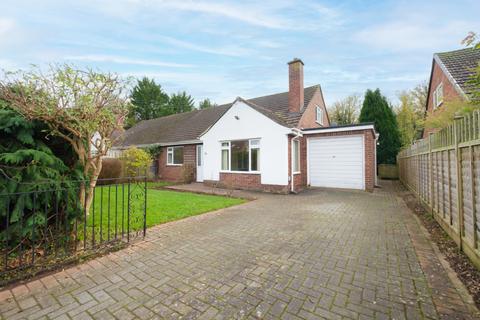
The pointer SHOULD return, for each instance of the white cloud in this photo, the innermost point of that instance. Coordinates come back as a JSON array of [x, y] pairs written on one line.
[[6, 25], [405, 35], [123, 60], [234, 51]]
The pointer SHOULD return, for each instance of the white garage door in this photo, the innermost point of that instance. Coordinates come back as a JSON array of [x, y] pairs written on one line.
[[336, 162]]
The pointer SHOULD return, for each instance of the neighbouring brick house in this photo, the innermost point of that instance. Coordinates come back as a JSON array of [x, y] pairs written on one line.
[[448, 78], [279, 143]]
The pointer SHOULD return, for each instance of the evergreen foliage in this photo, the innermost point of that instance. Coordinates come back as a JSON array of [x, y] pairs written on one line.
[[181, 102], [377, 110], [206, 103], [34, 177], [149, 101]]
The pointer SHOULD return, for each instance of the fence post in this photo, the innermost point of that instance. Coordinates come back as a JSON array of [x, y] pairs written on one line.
[[472, 190], [458, 158], [430, 167]]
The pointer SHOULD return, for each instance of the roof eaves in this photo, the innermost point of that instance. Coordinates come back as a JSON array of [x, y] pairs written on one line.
[[452, 80]]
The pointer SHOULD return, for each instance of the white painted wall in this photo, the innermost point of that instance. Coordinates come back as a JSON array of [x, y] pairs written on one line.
[[250, 124]]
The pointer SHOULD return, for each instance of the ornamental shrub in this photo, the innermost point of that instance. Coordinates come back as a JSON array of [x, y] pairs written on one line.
[[135, 161]]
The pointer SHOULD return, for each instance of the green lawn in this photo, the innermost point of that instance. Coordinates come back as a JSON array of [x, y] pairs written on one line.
[[162, 206]]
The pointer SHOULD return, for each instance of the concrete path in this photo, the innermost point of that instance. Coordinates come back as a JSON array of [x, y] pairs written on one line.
[[322, 254]]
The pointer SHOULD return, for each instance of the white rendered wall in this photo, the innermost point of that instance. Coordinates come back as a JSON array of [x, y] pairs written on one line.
[[250, 124]]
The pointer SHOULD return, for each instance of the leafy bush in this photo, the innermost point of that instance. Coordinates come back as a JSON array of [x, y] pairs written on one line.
[[35, 182], [136, 161], [112, 168]]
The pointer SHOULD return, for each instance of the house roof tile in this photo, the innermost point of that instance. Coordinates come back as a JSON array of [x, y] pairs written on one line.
[[460, 64], [189, 126]]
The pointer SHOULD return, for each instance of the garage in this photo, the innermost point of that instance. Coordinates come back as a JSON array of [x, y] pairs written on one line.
[[341, 157]]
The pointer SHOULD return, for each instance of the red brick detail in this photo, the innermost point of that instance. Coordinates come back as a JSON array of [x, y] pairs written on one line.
[[299, 179], [174, 172], [245, 181], [449, 92], [309, 116], [295, 86], [369, 142]]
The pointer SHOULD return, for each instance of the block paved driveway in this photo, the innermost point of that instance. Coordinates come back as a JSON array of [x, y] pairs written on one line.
[[322, 254]]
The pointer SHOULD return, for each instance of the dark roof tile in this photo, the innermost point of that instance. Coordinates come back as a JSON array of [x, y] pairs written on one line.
[[460, 64], [189, 126]]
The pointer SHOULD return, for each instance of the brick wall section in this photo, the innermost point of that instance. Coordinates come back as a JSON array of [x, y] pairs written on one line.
[[308, 119], [369, 140], [295, 86], [299, 182], [449, 91], [175, 173], [245, 181]]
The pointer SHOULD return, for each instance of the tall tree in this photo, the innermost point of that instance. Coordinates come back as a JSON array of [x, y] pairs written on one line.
[[181, 102], [376, 109], [83, 107], [407, 120], [411, 113], [149, 101], [346, 110], [206, 103]]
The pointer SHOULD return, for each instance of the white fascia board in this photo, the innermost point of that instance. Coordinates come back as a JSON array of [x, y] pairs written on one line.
[[342, 129]]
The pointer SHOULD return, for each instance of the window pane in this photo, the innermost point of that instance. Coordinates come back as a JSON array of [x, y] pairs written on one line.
[[224, 159], [255, 158], [199, 156], [239, 155], [178, 155], [224, 144], [169, 158], [296, 156]]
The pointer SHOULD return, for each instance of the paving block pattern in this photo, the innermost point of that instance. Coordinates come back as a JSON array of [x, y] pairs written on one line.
[[322, 254]]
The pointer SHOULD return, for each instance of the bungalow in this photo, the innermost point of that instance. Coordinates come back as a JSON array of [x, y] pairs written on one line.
[[278, 143], [448, 78]]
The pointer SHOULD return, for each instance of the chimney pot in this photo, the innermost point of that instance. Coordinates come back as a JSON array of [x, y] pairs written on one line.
[[295, 85]]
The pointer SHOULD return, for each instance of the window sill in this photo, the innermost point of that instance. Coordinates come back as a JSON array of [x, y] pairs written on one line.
[[174, 165], [318, 122], [241, 172], [297, 172]]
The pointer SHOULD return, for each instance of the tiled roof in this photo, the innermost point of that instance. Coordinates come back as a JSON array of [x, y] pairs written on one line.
[[460, 65], [189, 126]]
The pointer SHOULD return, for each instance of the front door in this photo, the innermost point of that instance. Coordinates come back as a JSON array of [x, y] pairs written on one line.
[[199, 163]]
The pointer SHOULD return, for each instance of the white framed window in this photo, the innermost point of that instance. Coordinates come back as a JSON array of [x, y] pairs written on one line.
[[319, 115], [296, 156], [175, 156], [240, 155], [438, 96], [225, 156]]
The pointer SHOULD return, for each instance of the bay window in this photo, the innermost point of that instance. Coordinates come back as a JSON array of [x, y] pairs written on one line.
[[174, 155], [241, 155]]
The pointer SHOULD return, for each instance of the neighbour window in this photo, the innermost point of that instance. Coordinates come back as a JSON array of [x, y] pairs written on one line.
[[296, 156], [438, 96], [241, 155], [319, 115], [175, 155]]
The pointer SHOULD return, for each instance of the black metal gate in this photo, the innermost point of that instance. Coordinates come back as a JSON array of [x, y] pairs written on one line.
[[45, 229]]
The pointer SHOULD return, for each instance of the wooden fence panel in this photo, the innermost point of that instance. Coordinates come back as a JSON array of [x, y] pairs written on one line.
[[444, 172]]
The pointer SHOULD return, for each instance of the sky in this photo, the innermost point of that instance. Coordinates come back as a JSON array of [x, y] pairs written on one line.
[[225, 49]]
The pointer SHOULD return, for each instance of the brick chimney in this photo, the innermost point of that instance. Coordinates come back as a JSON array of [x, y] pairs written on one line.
[[295, 85]]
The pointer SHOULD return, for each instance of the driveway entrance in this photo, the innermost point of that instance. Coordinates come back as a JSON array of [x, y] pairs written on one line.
[[322, 254]]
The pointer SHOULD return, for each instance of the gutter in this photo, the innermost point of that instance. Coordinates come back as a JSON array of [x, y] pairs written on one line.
[[159, 144]]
